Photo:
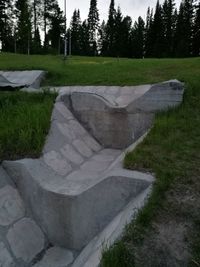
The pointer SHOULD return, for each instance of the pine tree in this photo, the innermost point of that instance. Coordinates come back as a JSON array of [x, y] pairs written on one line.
[[158, 33], [148, 51], [93, 24], [183, 35], [85, 49], [6, 25], [138, 38], [110, 28], [57, 28], [169, 26], [102, 41], [23, 26], [36, 45], [196, 37], [75, 27], [48, 8], [125, 40]]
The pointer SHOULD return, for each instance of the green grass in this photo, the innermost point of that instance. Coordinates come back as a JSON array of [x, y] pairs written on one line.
[[103, 71], [24, 123], [171, 150]]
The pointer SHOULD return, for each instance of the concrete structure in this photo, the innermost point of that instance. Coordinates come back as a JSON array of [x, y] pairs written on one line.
[[78, 192], [19, 79]]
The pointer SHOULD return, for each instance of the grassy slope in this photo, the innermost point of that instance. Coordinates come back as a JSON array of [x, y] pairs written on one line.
[[171, 151]]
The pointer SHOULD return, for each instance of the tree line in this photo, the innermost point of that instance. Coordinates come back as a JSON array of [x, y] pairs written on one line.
[[38, 27]]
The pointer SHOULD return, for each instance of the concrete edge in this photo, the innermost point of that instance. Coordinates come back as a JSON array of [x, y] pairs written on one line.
[[91, 254]]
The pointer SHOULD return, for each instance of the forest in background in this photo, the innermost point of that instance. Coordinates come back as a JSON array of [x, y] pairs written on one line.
[[38, 27]]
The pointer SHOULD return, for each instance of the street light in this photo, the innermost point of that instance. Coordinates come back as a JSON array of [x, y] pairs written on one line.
[[65, 49]]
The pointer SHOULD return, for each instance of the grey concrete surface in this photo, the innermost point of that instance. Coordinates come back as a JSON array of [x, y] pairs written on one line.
[[26, 240], [56, 257], [78, 186], [21, 239], [91, 254], [19, 79]]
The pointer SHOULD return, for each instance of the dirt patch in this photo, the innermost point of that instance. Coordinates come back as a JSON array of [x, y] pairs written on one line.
[[169, 241]]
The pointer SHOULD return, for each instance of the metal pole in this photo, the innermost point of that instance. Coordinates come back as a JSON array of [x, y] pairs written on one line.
[[70, 43], [65, 52]]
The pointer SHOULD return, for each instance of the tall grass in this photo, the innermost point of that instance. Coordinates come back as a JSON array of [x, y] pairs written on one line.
[[24, 123]]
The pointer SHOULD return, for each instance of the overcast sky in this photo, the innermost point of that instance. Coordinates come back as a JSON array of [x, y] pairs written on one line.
[[133, 8]]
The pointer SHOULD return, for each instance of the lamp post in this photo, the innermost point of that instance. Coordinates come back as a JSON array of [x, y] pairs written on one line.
[[65, 49]]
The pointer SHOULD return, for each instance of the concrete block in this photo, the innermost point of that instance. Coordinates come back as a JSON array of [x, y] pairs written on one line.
[[82, 148], [57, 163], [26, 240], [11, 206], [56, 257], [5, 258], [71, 154]]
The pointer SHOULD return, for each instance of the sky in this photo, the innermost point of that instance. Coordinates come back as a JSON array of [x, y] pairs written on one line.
[[133, 8]]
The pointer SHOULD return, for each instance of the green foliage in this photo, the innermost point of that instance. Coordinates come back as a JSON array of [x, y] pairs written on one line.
[[24, 123], [119, 256]]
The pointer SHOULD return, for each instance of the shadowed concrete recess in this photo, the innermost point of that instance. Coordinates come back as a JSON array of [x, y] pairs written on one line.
[[77, 191]]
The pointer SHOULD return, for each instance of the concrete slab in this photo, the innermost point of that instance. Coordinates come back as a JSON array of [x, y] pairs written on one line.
[[11, 206], [56, 257], [14, 79], [26, 239], [6, 259]]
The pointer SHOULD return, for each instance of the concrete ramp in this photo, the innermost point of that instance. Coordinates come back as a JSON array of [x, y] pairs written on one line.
[[78, 191]]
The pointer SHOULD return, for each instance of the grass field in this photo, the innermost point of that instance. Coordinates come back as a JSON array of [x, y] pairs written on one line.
[[103, 71], [167, 230]]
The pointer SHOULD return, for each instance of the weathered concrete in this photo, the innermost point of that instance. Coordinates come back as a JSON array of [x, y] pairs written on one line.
[[119, 118], [4, 83], [78, 186], [19, 79], [5, 258], [56, 257], [91, 254], [11, 206], [26, 239], [21, 240]]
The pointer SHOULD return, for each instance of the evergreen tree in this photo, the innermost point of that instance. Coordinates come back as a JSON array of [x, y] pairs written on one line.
[[36, 17], [36, 45], [85, 49], [183, 35], [117, 38], [125, 39], [57, 28], [102, 41], [23, 26], [6, 25], [138, 38], [48, 10], [110, 30], [169, 26], [196, 37], [93, 25], [148, 34], [75, 32], [158, 48]]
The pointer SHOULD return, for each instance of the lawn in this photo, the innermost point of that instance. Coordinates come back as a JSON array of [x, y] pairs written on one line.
[[167, 230], [103, 71]]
